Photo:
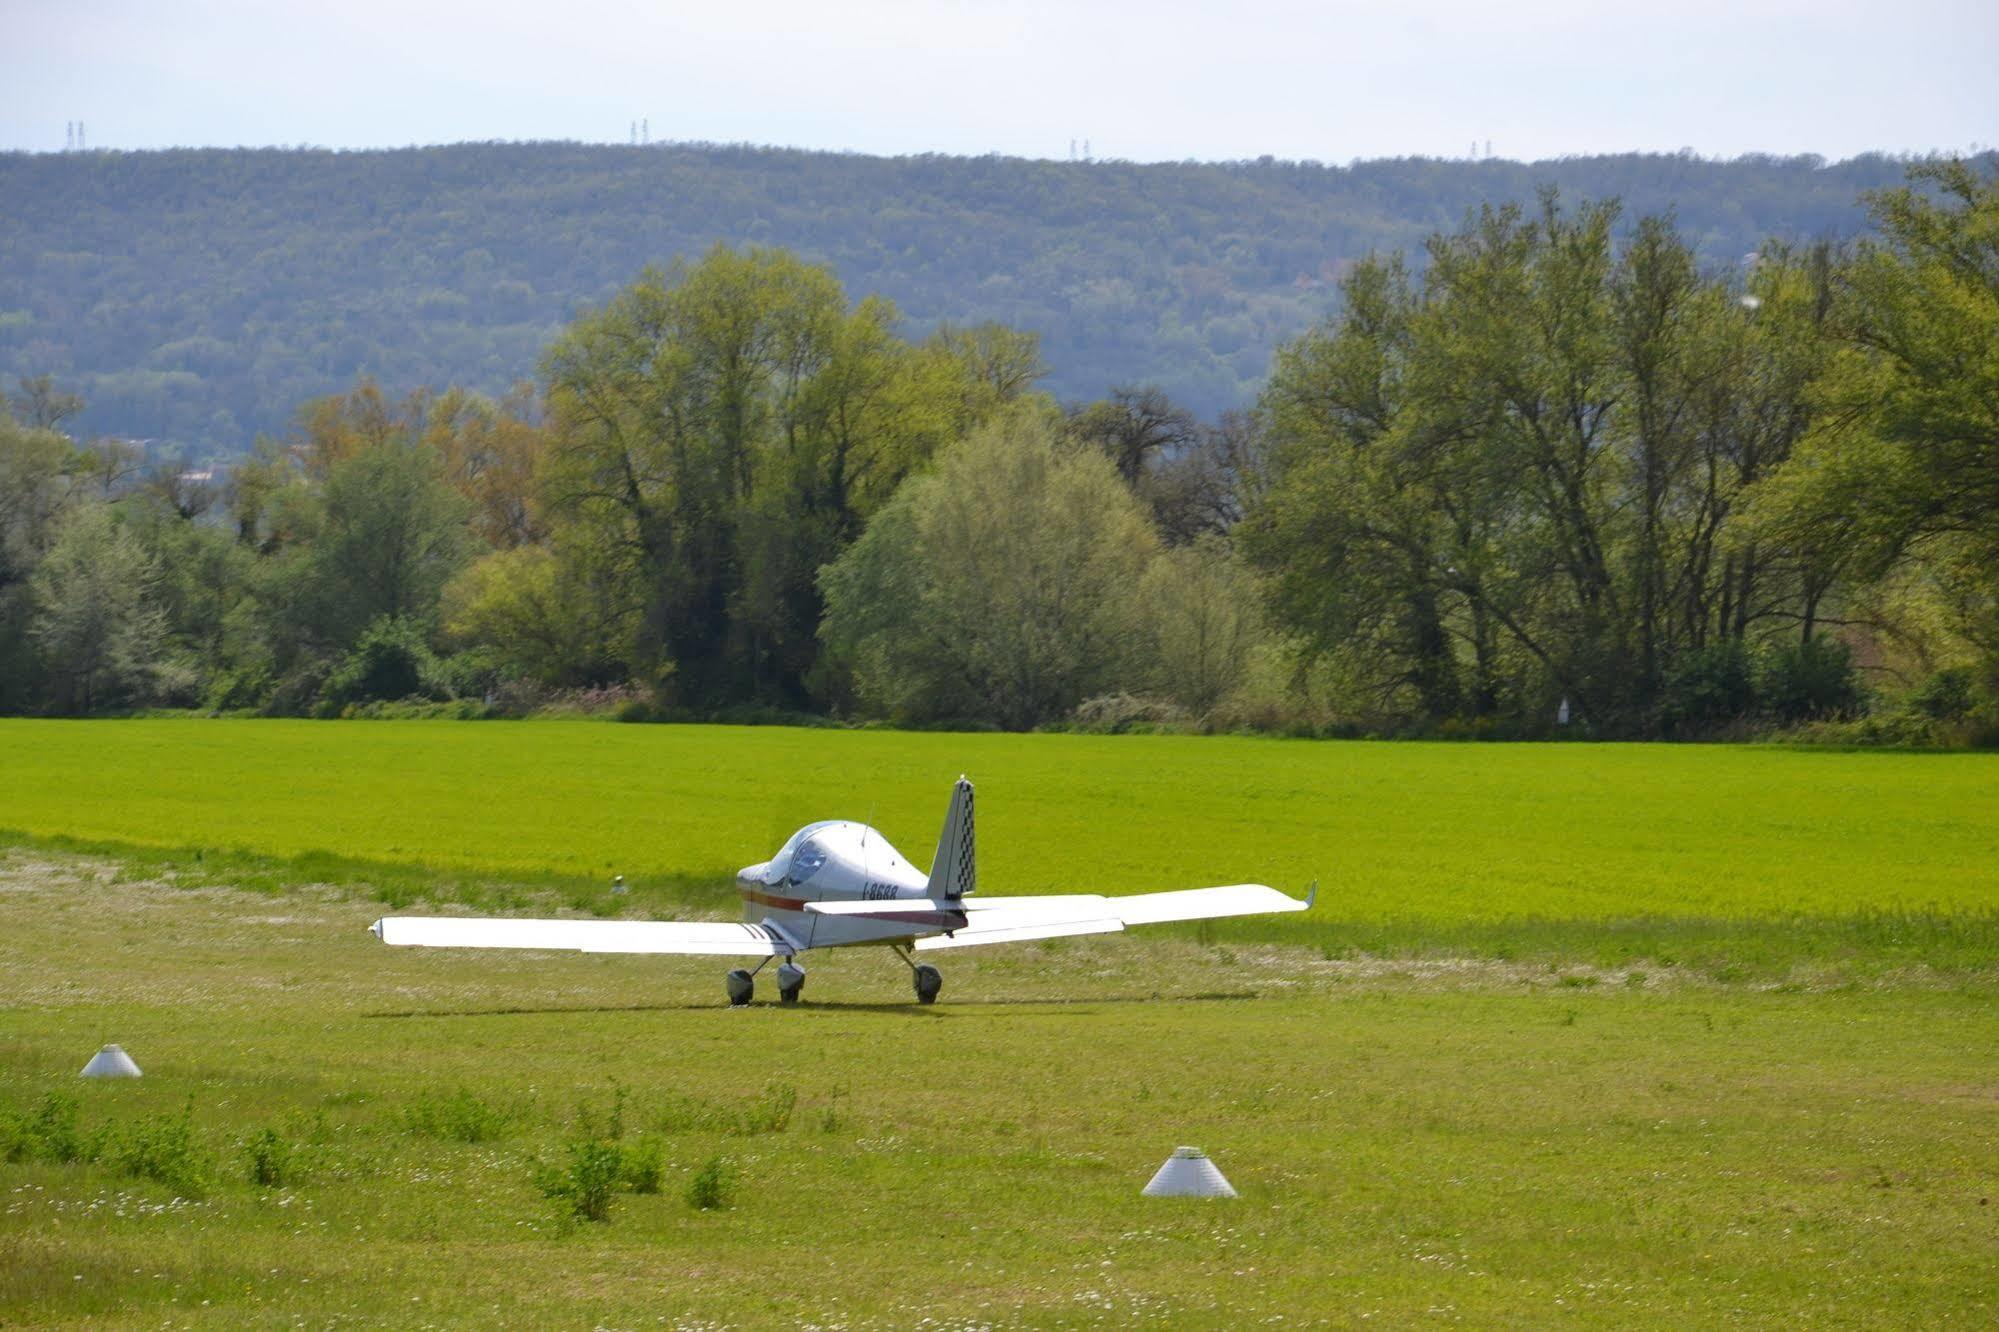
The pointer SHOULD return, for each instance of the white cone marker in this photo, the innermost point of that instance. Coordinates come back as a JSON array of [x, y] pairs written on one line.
[[110, 1062], [1188, 1173]]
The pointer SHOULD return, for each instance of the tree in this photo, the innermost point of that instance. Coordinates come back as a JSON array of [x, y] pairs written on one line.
[[722, 430], [537, 613], [95, 621], [1002, 586], [1134, 427], [389, 534], [110, 465], [36, 469], [41, 406], [1925, 312], [1900, 472], [188, 493], [1201, 608], [1002, 364], [36, 486], [1202, 490], [1364, 517], [208, 583], [331, 430], [1517, 484], [492, 454]]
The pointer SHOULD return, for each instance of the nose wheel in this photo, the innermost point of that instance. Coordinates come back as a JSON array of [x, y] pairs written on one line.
[[743, 983]]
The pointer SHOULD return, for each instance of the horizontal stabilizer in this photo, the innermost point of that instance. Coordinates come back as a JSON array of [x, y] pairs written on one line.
[[581, 936], [885, 906]]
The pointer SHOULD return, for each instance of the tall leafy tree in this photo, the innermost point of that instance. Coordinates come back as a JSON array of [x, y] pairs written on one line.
[[36, 487], [389, 532], [721, 430], [1005, 584], [1898, 479], [96, 622], [1514, 483]]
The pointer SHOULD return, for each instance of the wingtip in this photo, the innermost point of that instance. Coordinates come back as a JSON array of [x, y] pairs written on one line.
[[1311, 894], [376, 929]]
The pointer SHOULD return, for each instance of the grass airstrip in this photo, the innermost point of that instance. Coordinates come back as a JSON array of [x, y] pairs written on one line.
[[1577, 1034]]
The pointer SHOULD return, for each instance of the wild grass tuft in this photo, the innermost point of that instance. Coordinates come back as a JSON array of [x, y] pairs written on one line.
[[597, 1164], [771, 1113], [269, 1160], [711, 1186], [48, 1134], [586, 1181], [460, 1116], [643, 1166], [163, 1148]]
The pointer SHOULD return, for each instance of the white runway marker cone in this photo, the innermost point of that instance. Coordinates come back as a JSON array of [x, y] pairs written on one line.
[[110, 1062], [1188, 1173]]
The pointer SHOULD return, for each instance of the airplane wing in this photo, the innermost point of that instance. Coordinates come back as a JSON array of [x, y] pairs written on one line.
[[581, 936], [1010, 919]]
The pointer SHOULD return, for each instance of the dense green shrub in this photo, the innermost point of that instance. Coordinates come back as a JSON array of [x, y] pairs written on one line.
[[1708, 685], [392, 660], [1948, 695], [1809, 680]]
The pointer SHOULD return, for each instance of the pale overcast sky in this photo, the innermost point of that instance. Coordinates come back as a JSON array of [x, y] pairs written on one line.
[[1147, 81]]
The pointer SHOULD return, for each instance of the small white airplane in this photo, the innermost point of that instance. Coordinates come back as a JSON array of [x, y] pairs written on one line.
[[839, 884]]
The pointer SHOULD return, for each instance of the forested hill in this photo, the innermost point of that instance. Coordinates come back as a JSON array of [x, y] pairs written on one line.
[[199, 295]]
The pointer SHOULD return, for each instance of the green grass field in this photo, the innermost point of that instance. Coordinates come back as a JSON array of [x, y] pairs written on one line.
[[1578, 1035], [1445, 832]]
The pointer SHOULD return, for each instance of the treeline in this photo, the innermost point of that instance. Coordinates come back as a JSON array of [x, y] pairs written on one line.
[[1565, 476], [196, 297]]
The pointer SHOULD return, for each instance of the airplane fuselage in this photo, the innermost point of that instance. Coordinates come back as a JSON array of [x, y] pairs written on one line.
[[839, 861]]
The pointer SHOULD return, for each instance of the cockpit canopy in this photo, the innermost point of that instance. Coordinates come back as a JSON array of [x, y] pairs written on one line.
[[854, 847]]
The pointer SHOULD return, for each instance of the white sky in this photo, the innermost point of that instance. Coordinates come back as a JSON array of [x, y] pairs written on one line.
[[1165, 80]]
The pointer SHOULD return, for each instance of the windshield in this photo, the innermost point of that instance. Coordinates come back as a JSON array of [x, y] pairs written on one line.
[[806, 860], [779, 867]]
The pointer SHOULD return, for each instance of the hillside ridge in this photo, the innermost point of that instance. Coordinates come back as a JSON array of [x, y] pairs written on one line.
[[198, 295]]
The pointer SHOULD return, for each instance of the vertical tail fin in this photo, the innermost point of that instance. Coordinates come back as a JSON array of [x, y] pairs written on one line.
[[954, 872]]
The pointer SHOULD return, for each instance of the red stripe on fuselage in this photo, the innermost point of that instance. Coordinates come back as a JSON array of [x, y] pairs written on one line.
[[780, 903], [937, 920]]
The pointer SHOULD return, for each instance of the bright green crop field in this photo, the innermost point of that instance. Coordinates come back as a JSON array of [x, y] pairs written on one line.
[[1577, 1036], [1393, 831]]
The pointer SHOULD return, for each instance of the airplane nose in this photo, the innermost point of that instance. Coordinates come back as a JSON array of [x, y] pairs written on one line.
[[752, 873]]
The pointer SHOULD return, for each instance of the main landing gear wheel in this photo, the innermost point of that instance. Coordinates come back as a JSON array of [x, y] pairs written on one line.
[[929, 980], [790, 982], [742, 986]]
